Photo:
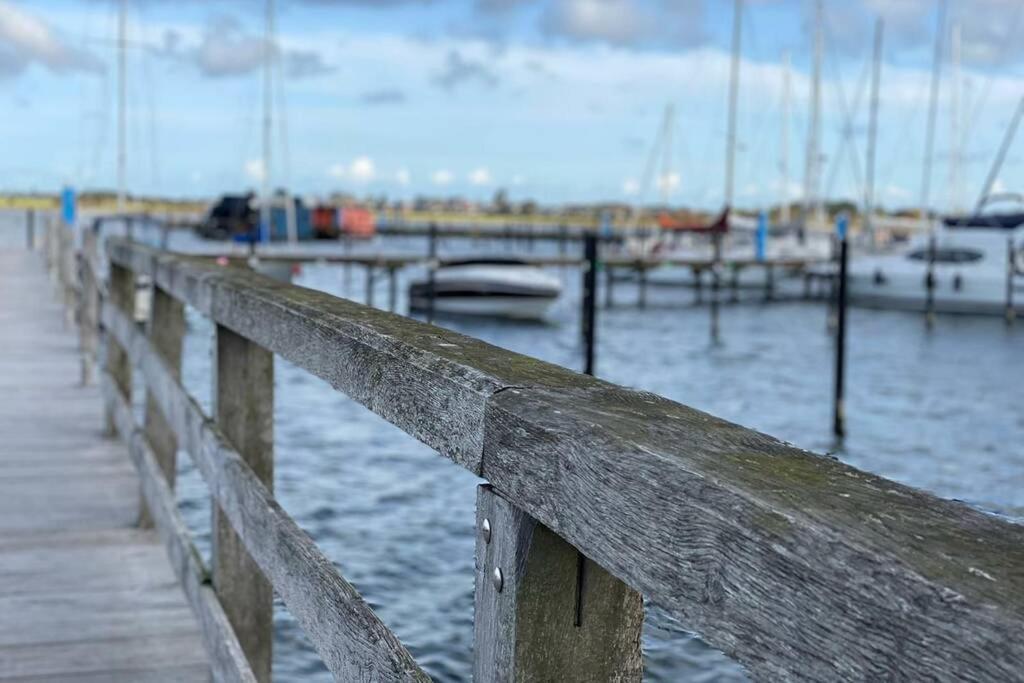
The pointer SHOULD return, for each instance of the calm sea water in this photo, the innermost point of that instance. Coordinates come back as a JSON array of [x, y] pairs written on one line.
[[939, 409]]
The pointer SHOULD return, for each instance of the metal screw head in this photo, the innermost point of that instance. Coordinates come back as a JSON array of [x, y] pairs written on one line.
[[485, 529], [497, 579]]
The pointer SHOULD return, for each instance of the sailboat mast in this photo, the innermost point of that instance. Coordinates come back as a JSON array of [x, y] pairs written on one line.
[[955, 205], [122, 104], [268, 50], [734, 83], [784, 144], [666, 171], [869, 185], [811, 170], [933, 99]]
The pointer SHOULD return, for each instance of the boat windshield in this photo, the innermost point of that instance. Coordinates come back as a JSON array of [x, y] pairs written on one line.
[[947, 255], [495, 261]]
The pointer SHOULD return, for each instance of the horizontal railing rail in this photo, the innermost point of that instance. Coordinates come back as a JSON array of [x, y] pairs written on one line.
[[795, 564]]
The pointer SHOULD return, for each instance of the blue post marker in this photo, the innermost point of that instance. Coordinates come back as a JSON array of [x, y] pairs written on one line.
[[762, 235], [842, 221], [68, 206]]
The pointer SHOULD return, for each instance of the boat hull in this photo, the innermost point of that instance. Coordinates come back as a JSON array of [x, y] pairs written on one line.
[[493, 306]]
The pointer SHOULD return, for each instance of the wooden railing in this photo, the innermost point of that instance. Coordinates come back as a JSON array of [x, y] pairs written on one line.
[[795, 564]]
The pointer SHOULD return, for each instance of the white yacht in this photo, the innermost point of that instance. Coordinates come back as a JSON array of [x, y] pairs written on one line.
[[495, 287], [976, 266]]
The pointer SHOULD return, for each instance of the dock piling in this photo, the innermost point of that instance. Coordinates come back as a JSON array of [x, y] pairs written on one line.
[[929, 284], [839, 409], [589, 313]]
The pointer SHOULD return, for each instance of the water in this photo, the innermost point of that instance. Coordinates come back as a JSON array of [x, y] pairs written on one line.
[[938, 410]]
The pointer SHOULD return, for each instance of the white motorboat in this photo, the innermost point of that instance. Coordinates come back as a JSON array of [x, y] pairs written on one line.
[[975, 265], [495, 287]]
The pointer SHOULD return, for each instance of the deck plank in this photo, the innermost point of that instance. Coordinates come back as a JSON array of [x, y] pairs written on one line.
[[84, 594]]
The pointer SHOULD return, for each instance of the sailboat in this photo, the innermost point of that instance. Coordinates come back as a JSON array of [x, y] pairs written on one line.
[[972, 264]]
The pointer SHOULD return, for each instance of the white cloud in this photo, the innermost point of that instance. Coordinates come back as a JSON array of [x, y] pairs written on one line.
[[403, 177], [669, 182], [25, 38], [362, 169], [480, 177], [254, 169], [630, 187], [518, 180], [442, 177]]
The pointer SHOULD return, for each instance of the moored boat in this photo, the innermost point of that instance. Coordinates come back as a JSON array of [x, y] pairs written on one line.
[[495, 287]]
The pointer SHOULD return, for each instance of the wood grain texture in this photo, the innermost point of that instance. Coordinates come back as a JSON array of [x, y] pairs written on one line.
[[84, 595], [243, 395], [528, 630], [166, 332], [122, 295], [227, 658], [798, 566], [351, 639]]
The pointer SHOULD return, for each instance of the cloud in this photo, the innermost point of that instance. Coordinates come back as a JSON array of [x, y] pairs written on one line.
[[442, 177], [383, 96], [227, 50], [630, 187], [362, 169], [305, 64], [459, 70], [26, 39], [625, 23], [403, 177], [668, 182], [480, 177], [254, 169]]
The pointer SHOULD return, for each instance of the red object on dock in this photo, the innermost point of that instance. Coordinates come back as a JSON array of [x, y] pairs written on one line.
[[669, 222], [358, 222]]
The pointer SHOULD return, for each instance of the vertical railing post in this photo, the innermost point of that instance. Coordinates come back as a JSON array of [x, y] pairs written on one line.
[[122, 295], [244, 410], [89, 302], [538, 617], [166, 331], [30, 229]]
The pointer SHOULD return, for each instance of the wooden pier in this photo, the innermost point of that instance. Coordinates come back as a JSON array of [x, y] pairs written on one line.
[[598, 496], [85, 594]]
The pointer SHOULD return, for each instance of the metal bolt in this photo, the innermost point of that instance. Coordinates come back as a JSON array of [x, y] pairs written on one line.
[[485, 528], [497, 579]]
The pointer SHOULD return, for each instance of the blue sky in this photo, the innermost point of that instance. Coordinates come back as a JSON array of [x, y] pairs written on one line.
[[558, 100]]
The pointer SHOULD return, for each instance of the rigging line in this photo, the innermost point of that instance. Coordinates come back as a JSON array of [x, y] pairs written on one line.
[[982, 97], [149, 86], [635, 211], [848, 114]]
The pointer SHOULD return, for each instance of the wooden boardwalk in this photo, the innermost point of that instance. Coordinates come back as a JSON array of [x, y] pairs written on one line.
[[85, 595]]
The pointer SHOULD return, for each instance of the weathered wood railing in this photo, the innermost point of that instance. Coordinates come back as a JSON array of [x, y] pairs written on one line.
[[796, 565]]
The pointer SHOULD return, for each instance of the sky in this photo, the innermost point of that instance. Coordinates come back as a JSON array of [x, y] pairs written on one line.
[[556, 100]]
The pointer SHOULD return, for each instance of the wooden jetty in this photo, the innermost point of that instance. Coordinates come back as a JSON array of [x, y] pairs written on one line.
[[794, 564], [85, 593]]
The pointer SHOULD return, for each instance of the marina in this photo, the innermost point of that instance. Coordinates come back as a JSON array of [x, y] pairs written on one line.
[[506, 341]]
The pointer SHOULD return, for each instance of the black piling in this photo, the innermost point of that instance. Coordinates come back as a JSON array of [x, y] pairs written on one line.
[[716, 277], [929, 284], [839, 410], [589, 312], [392, 288], [641, 291], [1011, 271], [431, 270], [369, 285]]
